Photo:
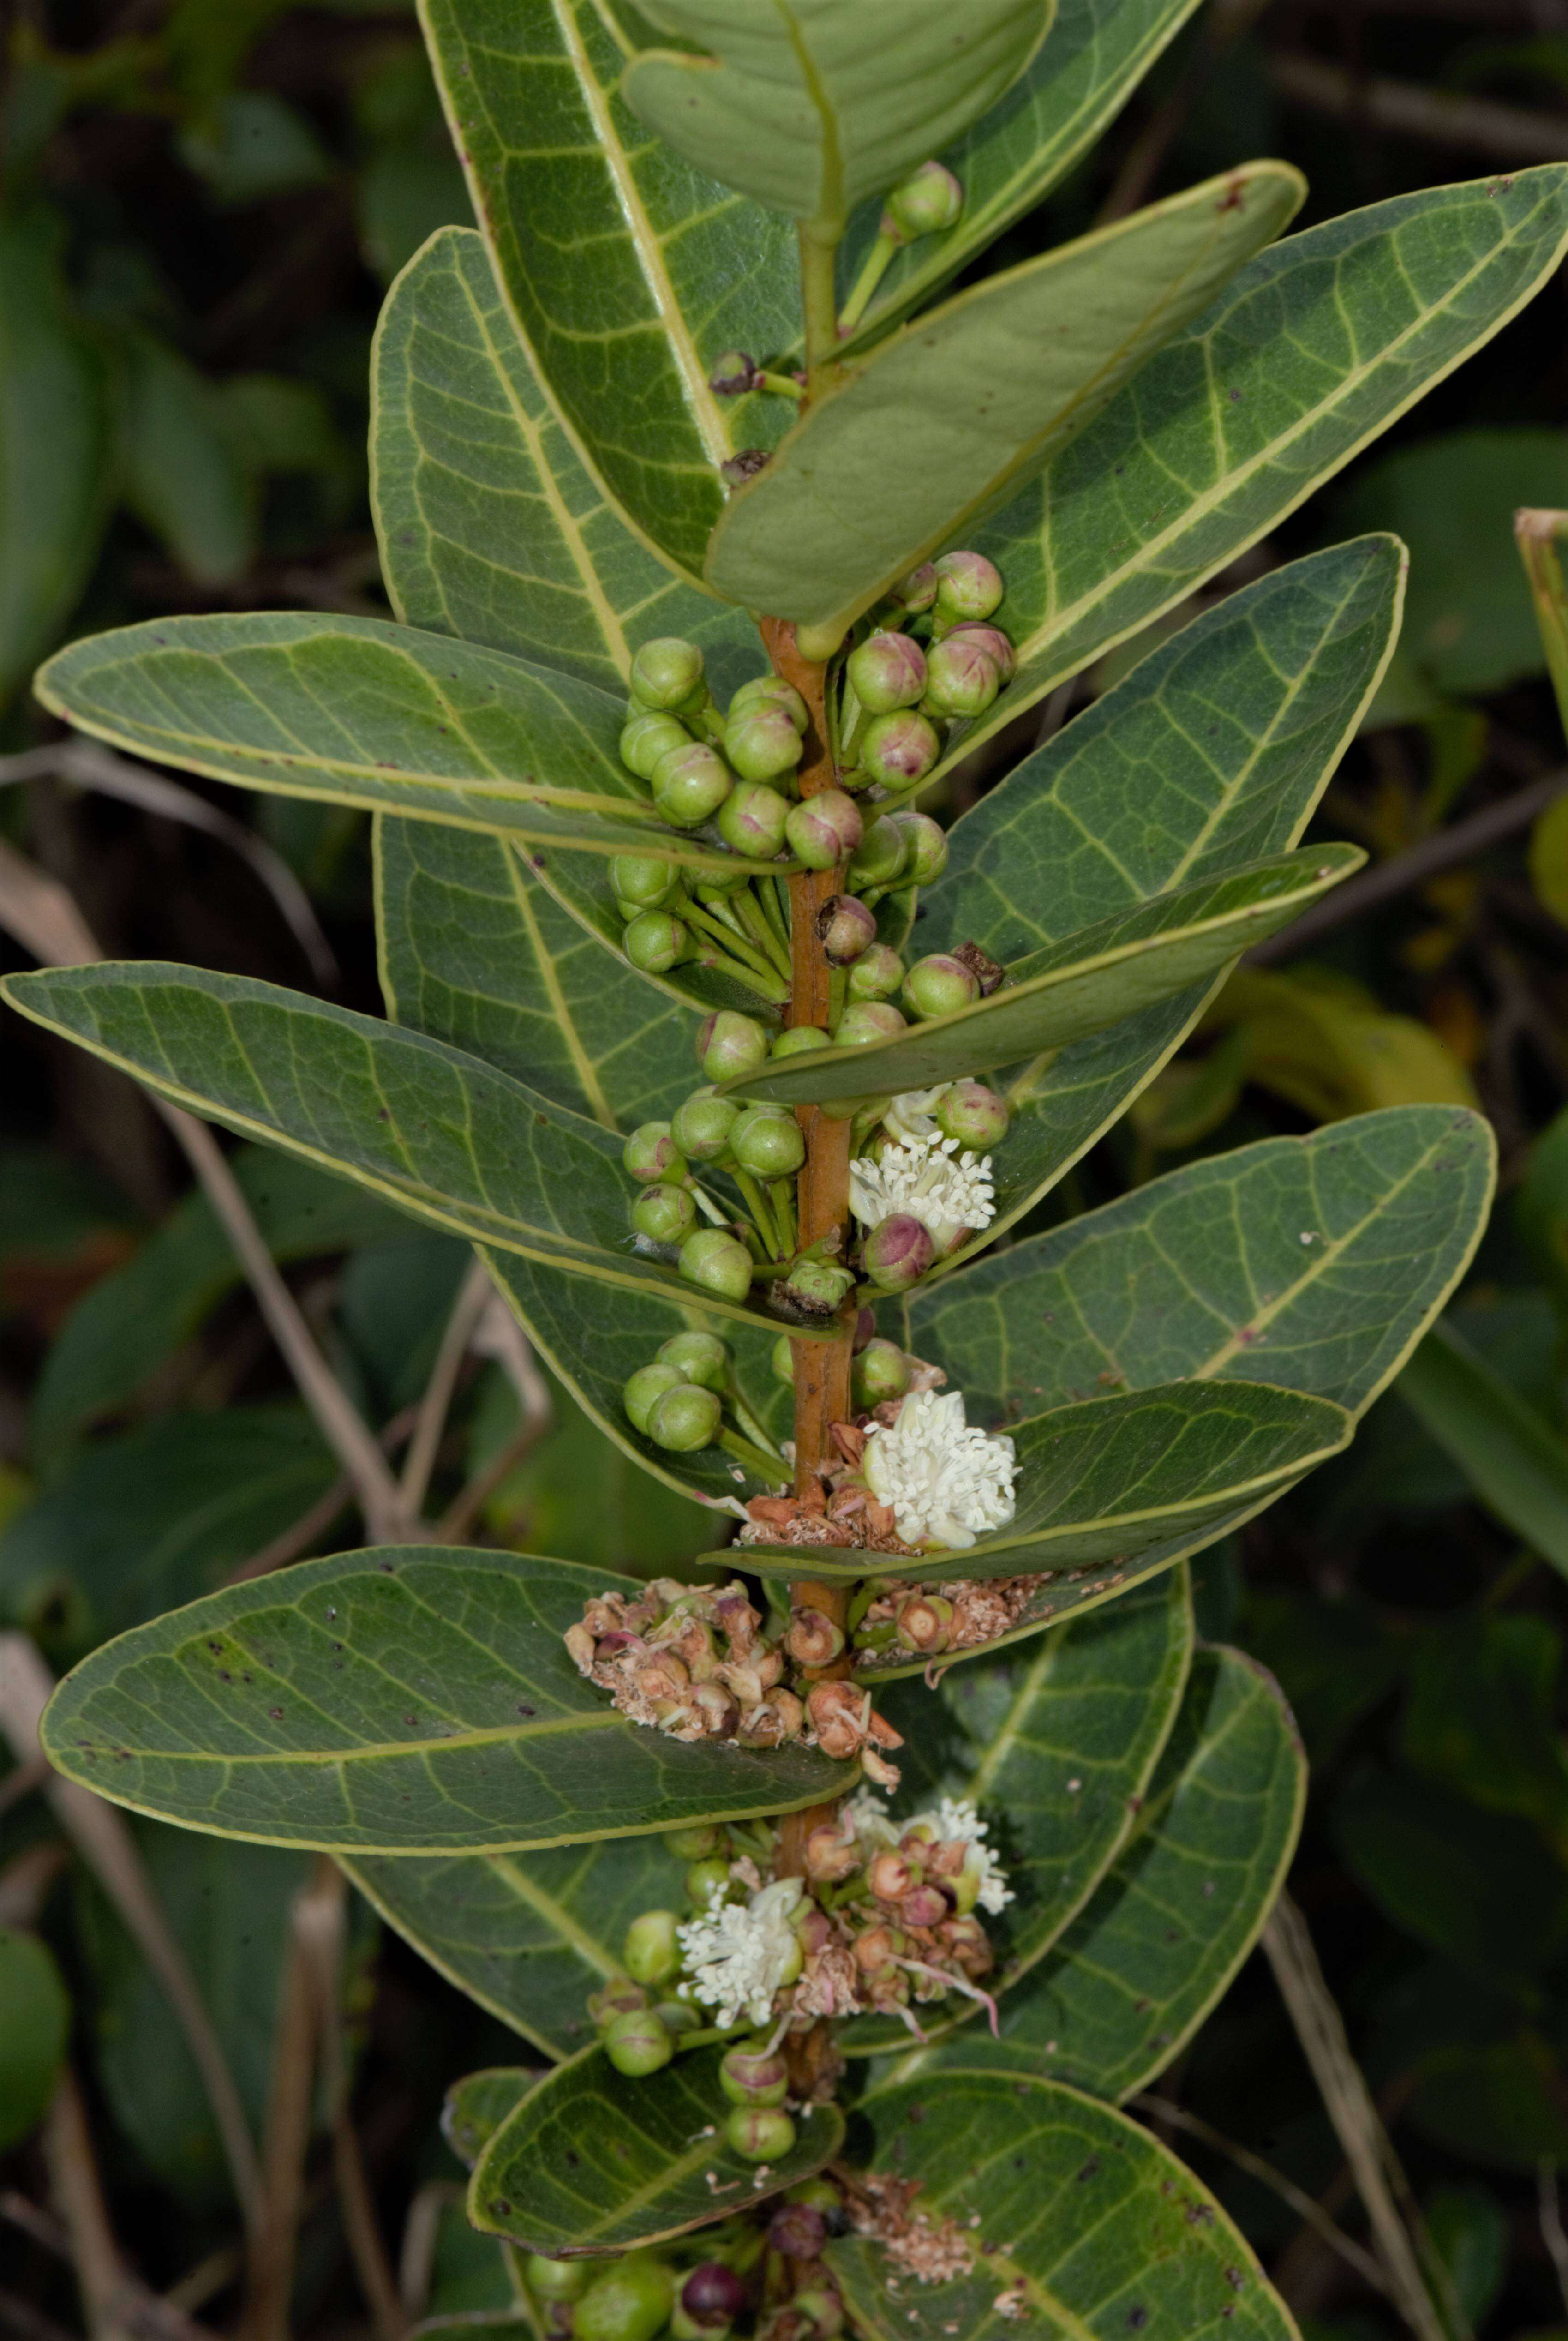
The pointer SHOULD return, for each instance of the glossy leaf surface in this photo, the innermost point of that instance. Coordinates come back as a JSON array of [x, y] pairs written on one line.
[[594, 2162], [416, 1700], [945, 421]]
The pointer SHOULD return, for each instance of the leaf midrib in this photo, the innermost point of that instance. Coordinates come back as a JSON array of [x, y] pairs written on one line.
[[374, 1751]]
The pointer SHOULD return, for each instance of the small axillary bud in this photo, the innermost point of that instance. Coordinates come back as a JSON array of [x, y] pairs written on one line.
[[898, 1251], [928, 203], [734, 373]]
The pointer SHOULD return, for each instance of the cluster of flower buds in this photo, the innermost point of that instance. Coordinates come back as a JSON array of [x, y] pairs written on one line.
[[920, 1184], [933, 658], [691, 1660]]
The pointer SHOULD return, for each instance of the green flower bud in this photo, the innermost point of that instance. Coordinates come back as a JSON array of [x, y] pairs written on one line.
[[899, 750], [668, 673], [717, 1262], [630, 2301], [643, 1392], [976, 1116], [818, 1284], [880, 859], [994, 642], [751, 819], [887, 671], [926, 203], [800, 1038], [556, 2279], [691, 784], [697, 1843], [638, 2044], [845, 927], [651, 1951], [940, 985], [702, 1878], [702, 1125], [818, 644], [821, 2310], [748, 2077], [898, 1251], [702, 1358], [619, 1996], [679, 2017], [917, 591], [772, 691], [768, 1141], [664, 1214], [729, 1044], [824, 830], [782, 1360], [961, 679], [652, 1152], [761, 742], [688, 1417], [818, 2195], [875, 974], [970, 586], [655, 941], [642, 880], [879, 1371], [865, 1020], [648, 739], [758, 2134], [926, 845]]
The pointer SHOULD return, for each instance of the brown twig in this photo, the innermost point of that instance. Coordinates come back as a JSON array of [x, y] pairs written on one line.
[[469, 1308], [421, 2232], [286, 2139], [1510, 134]]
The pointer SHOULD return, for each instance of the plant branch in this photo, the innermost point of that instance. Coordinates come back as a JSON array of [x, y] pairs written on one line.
[[472, 1298], [820, 299], [286, 2141], [1509, 133]]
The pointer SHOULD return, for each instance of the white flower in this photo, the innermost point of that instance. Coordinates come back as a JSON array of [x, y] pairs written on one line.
[[911, 1113], [947, 1482], [949, 1191], [743, 1954], [956, 1818], [866, 1819]]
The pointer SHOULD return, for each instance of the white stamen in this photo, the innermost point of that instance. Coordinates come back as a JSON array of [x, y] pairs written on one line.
[[948, 1192], [743, 1954], [947, 1482]]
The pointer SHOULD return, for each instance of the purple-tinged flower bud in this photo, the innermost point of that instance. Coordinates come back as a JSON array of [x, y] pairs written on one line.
[[926, 844], [880, 1372], [665, 1215], [655, 941], [816, 1284], [900, 749], [772, 691], [691, 784], [751, 819], [782, 1360], [898, 1251], [645, 1387], [761, 742], [768, 1141], [939, 986], [798, 2231], [749, 2078], [729, 1044], [845, 927], [701, 1358], [648, 739], [701, 1125], [961, 679], [970, 587], [630, 2301], [686, 1417], [651, 1951], [927, 202], [653, 1151], [758, 2134], [638, 2044], [876, 974], [734, 373], [886, 671], [718, 1263], [865, 1020], [667, 671], [713, 2296], [917, 591], [800, 1038], [976, 1116], [643, 879], [924, 1906], [824, 830], [993, 641], [879, 860]]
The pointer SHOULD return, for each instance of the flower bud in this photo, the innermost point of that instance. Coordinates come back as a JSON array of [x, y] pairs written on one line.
[[761, 742], [689, 785], [638, 2044], [898, 1251], [758, 2134], [886, 671], [677, 2015], [940, 985], [713, 2297], [996, 644], [925, 843], [768, 1141], [701, 1125], [899, 750], [651, 1950], [816, 1284], [729, 1044], [750, 2078], [866, 1021], [782, 1360], [880, 1372], [643, 1392], [923, 1623], [813, 1640], [648, 739], [875, 974], [655, 941], [667, 672], [631, 2301], [799, 1038], [879, 859], [973, 1115], [772, 1721], [686, 1418], [652, 1152], [928, 202], [890, 1877], [798, 2230], [876, 1948], [821, 2310], [925, 1906], [701, 1357], [702, 1877], [961, 679], [968, 586], [697, 1843], [772, 691], [664, 1214], [556, 2279], [642, 880], [845, 927], [734, 373], [719, 1263], [818, 644], [839, 1712], [917, 591], [751, 819], [824, 830], [831, 1857]]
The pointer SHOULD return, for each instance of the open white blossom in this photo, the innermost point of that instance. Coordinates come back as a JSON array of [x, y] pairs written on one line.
[[947, 1482], [949, 1191], [743, 1954], [955, 1816]]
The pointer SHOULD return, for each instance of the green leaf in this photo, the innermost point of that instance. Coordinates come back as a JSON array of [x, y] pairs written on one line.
[[797, 106], [947, 420], [1318, 346], [355, 712], [628, 273], [35, 2026], [593, 2162], [476, 952], [1075, 2218], [528, 1935], [476, 2106], [1092, 58], [1078, 986], [1106, 1478], [55, 448], [1124, 1988], [1481, 1714], [183, 474], [1515, 1460], [401, 1701], [490, 526], [448, 1138]]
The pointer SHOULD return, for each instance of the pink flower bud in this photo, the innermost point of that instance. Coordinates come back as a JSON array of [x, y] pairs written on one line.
[[898, 1251], [824, 830], [887, 672]]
